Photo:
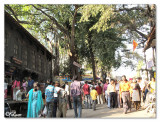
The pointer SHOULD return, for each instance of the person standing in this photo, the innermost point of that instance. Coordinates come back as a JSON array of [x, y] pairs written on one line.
[[30, 83], [62, 102], [35, 102], [49, 98], [19, 94], [105, 90], [5, 89], [94, 84], [57, 90], [102, 85], [142, 85], [69, 106], [111, 90], [124, 91], [145, 89], [136, 92], [99, 91], [117, 94], [151, 85], [16, 87], [94, 95], [76, 96], [24, 85], [86, 91]]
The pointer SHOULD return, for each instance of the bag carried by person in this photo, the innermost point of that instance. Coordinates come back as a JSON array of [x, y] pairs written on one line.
[[45, 111]]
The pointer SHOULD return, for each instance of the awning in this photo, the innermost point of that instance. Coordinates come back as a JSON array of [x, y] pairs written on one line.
[[66, 79], [88, 77]]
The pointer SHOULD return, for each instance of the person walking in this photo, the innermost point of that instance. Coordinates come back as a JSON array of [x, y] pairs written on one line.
[[62, 102], [76, 96], [124, 91], [94, 95], [111, 90], [117, 94], [105, 90], [69, 105], [145, 89], [142, 85], [49, 98], [35, 102], [57, 90], [136, 92], [99, 91], [86, 91]]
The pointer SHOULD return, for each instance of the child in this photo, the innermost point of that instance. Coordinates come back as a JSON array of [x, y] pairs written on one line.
[[19, 94], [94, 95]]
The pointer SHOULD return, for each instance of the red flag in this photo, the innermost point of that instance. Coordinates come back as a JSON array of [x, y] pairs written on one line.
[[134, 45]]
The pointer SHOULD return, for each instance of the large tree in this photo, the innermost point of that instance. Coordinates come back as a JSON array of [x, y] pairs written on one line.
[[43, 19], [128, 19]]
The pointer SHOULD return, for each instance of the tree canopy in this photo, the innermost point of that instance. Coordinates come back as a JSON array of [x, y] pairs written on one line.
[[87, 33]]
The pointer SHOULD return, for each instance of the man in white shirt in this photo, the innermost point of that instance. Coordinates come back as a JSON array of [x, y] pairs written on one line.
[[111, 90], [69, 106], [19, 94]]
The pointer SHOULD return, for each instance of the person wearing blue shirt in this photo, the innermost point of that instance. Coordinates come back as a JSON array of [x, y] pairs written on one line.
[[49, 98], [30, 83]]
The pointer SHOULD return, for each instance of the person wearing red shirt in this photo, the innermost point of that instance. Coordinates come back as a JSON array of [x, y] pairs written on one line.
[[86, 91], [99, 91]]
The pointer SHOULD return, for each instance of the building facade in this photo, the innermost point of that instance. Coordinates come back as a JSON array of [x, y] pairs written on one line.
[[24, 55]]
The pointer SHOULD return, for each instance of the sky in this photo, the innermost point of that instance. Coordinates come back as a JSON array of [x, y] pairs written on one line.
[[127, 70]]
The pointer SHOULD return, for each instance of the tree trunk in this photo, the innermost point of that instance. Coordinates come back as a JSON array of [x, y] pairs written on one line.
[[73, 57], [103, 74], [56, 63], [92, 57], [93, 65]]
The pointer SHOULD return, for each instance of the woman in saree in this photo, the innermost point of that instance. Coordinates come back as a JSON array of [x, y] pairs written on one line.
[[35, 102]]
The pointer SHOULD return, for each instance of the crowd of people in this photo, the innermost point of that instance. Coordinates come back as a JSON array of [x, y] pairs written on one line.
[[58, 98]]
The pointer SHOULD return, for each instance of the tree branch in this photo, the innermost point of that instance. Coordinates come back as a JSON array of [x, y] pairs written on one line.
[[54, 21], [130, 9], [11, 10], [16, 16], [140, 33]]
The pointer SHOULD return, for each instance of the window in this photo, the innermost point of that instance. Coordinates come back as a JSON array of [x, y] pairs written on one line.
[[45, 67], [25, 57], [39, 63], [15, 50], [6, 39], [42, 64], [33, 59]]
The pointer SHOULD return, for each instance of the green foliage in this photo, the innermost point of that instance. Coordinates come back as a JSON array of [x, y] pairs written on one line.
[[102, 28], [104, 11]]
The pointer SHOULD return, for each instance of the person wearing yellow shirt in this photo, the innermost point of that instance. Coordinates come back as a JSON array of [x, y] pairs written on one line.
[[151, 85], [124, 91], [94, 95]]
